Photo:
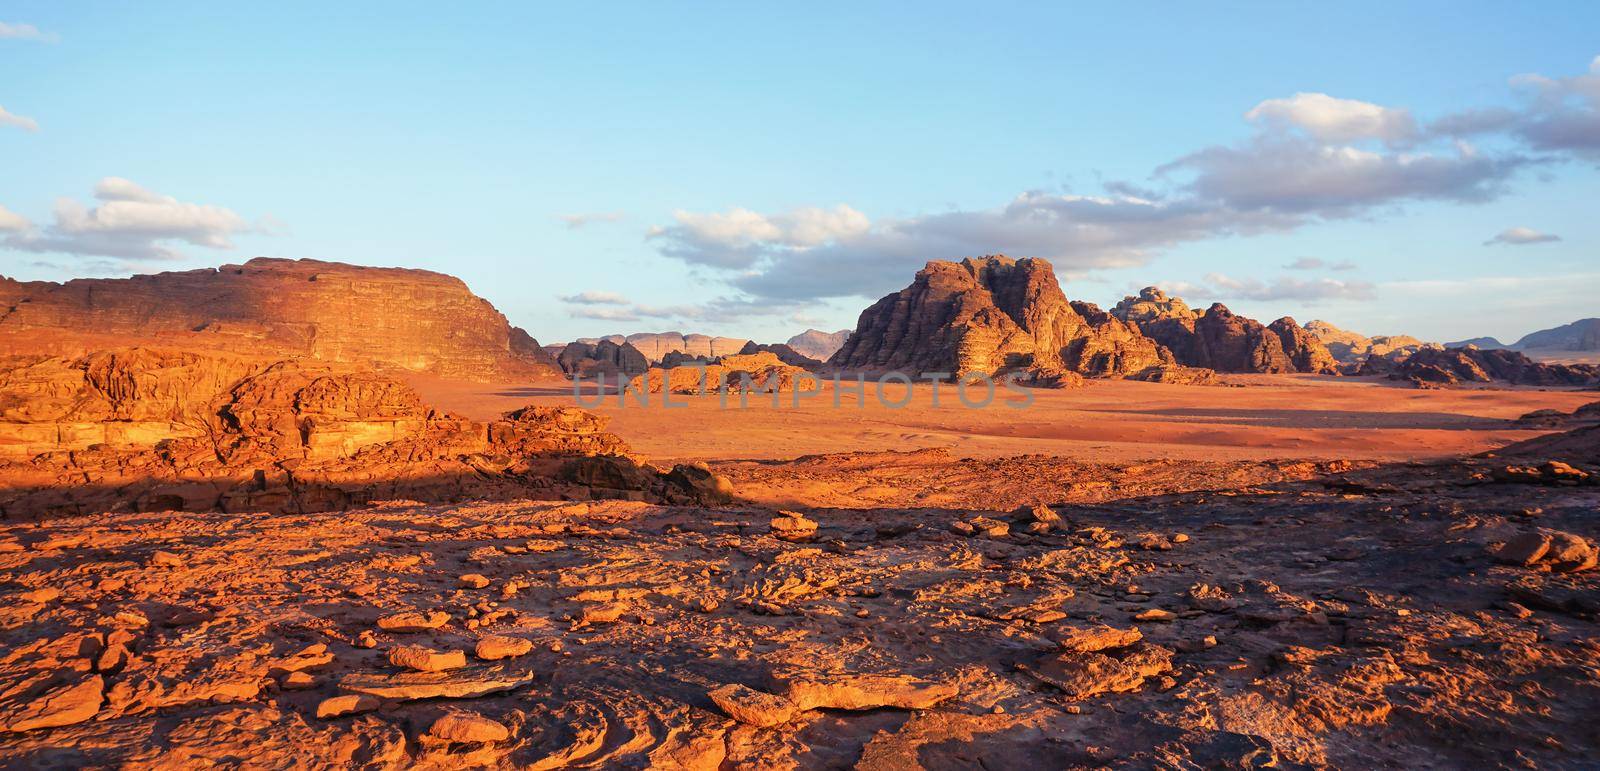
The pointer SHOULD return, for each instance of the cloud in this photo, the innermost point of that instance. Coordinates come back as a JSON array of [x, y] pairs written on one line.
[[1311, 291], [19, 31], [1311, 158], [12, 222], [1292, 175], [1332, 120], [1560, 115], [605, 314], [1317, 263], [18, 121], [130, 222], [1521, 236], [583, 219], [595, 298], [739, 237]]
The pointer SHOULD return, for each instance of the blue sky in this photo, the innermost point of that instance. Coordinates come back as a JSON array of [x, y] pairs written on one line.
[[751, 169]]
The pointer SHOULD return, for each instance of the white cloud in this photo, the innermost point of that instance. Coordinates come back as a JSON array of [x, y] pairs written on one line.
[[130, 222], [595, 298], [1294, 175], [1332, 120], [739, 237], [605, 314], [18, 121], [1306, 263], [1520, 236], [583, 219], [19, 31], [12, 222], [1310, 291]]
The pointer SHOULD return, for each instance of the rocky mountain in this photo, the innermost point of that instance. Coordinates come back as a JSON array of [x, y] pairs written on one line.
[[390, 318], [1581, 335], [1430, 367], [1220, 340], [991, 315], [1477, 342], [1353, 347], [1304, 350], [656, 345], [817, 344]]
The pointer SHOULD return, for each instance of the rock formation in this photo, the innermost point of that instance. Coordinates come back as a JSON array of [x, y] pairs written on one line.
[[1451, 366], [992, 315], [1304, 350], [817, 344], [1152, 304], [606, 358], [1477, 342], [388, 318], [656, 345], [1352, 347], [1217, 339], [784, 353], [152, 429], [763, 370]]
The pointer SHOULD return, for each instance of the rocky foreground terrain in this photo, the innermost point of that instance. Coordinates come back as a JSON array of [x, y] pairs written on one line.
[[1001, 613]]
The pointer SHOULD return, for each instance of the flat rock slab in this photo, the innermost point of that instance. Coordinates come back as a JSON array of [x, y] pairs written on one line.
[[458, 684]]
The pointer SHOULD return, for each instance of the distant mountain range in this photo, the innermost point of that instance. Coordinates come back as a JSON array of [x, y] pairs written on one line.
[[1580, 335]]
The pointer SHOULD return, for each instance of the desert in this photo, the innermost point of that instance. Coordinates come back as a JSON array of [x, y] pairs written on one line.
[[677, 387]]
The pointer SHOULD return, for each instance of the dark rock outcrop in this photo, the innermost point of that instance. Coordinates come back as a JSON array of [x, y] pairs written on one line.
[[1451, 366], [387, 318], [616, 362], [992, 315]]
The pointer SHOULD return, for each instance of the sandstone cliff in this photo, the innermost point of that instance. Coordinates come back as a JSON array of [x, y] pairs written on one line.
[[1305, 351], [153, 429], [992, 315], [1220, 340], [656, 345], [1352, 347], [616, 362], [390, 318]]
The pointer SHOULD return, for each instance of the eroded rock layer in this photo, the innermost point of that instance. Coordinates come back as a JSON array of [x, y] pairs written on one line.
[[390, 318], [150, 429]]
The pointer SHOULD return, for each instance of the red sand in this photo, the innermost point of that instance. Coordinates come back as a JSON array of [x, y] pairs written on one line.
[[1295, 416]]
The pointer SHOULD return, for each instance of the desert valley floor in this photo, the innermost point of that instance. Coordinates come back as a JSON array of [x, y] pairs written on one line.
[[1296, 572], [1266, 416]]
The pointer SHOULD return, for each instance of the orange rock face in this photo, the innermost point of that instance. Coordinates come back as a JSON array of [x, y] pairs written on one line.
[[413, 320], [153, 429], [988, 316]]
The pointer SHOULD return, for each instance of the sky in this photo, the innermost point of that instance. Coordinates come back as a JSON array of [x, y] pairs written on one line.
[[755, 169]]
